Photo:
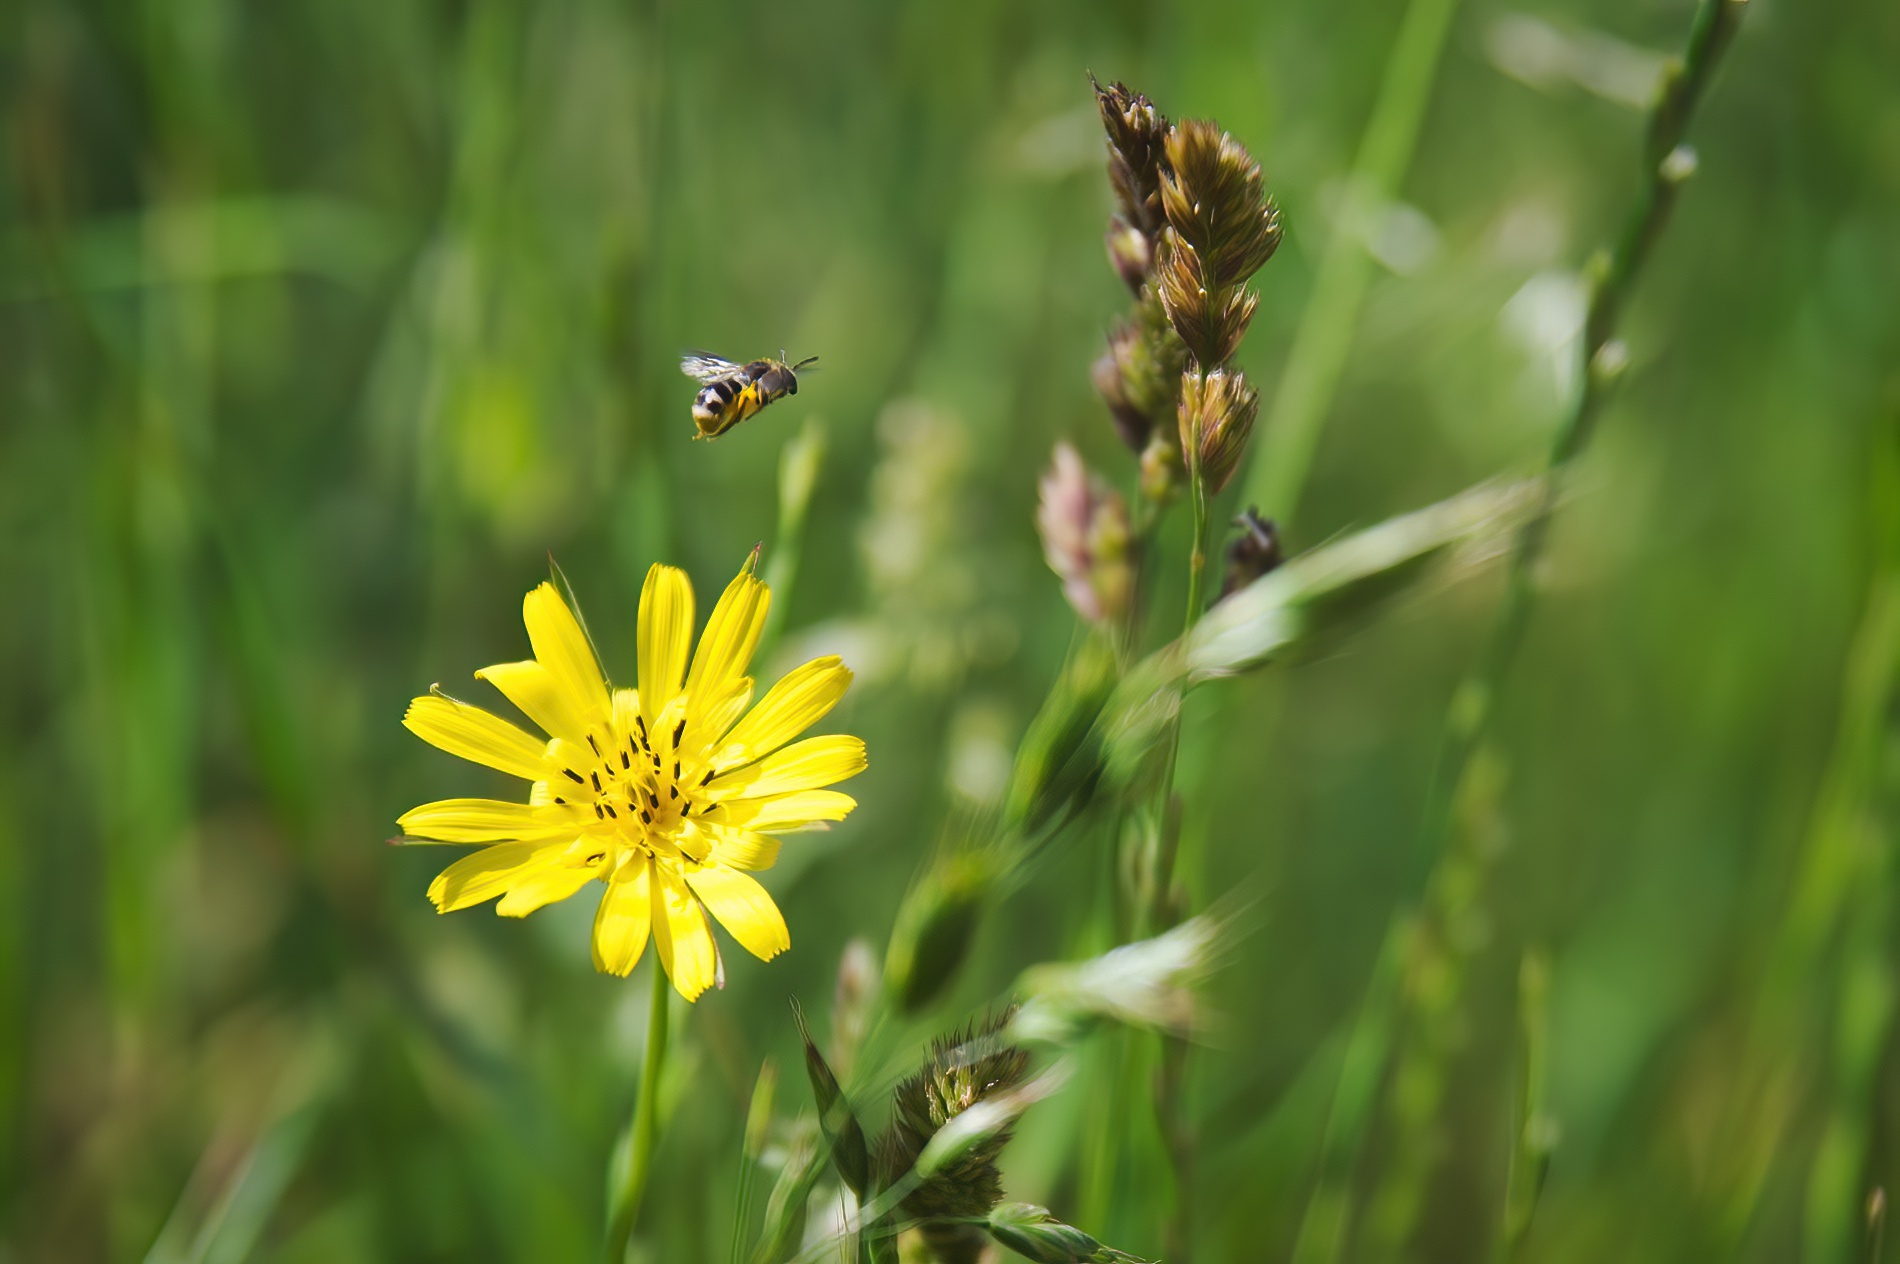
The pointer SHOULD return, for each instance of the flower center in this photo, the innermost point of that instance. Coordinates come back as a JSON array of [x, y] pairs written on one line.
[[642, 792]]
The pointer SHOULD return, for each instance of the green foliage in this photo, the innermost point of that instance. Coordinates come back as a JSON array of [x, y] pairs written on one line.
[[323, 326]]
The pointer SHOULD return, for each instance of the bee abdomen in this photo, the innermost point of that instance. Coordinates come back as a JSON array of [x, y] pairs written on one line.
[[713, 399]]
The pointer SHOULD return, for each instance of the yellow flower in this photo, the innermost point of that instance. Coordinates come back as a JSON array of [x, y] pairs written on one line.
[[664, 793]]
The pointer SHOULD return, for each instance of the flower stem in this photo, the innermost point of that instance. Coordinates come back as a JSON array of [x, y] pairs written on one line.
[[1197, 553], [1169, 1079], [624, 1206]]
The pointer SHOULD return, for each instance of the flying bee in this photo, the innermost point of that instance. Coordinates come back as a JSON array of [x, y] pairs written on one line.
[[733, 392]]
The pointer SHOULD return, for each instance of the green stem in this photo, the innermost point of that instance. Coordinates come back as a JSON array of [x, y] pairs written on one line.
[[625, 1205], [1169, 1084], [1197, 555], [1291, 429]]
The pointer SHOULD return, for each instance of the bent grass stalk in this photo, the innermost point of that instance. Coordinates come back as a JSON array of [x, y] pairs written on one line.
[[1468, 772]]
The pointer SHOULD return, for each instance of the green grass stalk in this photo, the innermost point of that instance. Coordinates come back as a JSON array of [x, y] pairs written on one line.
[[1320, 346]]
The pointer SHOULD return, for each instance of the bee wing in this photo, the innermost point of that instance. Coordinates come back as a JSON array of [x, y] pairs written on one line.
[[708, 368]]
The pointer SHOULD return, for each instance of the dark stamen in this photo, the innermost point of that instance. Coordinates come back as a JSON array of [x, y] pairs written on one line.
[[626, 761], [595, 778], [707, 778], [611, 812], [679, 732], [654, 799], [573, 776], [673, 792], [597, 815], [676, 769], [596, 745], [645, 817]]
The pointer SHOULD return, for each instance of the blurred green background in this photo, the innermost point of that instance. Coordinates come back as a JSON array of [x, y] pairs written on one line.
[[322, 326]]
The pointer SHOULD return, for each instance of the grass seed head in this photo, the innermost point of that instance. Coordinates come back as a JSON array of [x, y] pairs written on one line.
[[1222, 227], [1218, 408], [951, 1121], [1139, 377], [1085, 537], [1137, 134]]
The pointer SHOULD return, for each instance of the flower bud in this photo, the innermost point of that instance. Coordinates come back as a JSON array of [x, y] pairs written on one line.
[[1131, 252], [849, 1154], [1060, 757], [1160, 468], [1217, 413], [934, 928], [1033, 1233], [1253, 552], [1130, 423], [1085, 537], [758, 1116]]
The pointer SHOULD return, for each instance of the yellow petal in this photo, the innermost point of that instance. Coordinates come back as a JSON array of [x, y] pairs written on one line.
[[793, 705], [718, 709], [623, 921], [476, 735], [725, 647], [742, 849], [488, 873], [626, 707], [485, 821], [682, 936], [531, 686], [561, 877], [744, 908], [806, 765], [561, 646], [789, 812], [666, 632]]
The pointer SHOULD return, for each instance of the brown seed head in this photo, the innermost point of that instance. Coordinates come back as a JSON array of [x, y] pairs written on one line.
[[1221, 228], [1136, 132], [1140, 376], [1254, 550], [1215, 201], [1218, 408], [1210, 320]]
